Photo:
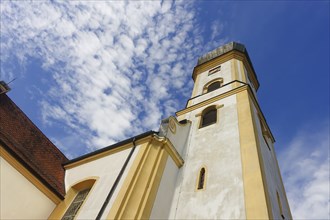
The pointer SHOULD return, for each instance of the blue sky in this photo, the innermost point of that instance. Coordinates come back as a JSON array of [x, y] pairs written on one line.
[[90, 74]]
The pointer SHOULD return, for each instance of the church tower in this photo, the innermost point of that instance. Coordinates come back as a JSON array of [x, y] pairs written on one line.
[[214, 160], [230, 168]]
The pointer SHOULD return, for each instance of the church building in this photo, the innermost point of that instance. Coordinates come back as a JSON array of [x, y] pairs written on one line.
[[214, 159]]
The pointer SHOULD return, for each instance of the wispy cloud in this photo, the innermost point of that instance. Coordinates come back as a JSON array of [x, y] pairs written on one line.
[[118, 66], [306, 174], [216, 35], [216, 29]]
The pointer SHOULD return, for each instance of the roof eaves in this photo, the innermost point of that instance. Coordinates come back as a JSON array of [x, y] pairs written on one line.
[[31, 170], [137, 137]]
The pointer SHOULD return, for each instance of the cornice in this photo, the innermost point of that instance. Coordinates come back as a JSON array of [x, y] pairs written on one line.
[[170, 149], [211, 100], [224, 95]]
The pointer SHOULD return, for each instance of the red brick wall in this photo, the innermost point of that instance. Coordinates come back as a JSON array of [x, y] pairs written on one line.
[[31, 147]]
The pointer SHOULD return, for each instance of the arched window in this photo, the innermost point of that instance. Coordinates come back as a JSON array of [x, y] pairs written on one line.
[[209, 116], [74, 199], [213, 86], [201, 179], [75, 205]]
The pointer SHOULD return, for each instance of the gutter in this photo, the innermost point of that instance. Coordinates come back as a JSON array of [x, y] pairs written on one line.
[[94, 153]]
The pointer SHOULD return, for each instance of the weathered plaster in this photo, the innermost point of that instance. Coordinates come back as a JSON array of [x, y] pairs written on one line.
[[217, 148]]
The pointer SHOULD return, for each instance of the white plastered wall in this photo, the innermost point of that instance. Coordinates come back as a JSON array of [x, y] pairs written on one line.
[[165, 193], [180, 137], [20, 199], [217, 148], [203, 78], [106, 169]]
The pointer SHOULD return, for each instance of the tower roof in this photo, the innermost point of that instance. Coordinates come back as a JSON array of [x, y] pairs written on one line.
[[222, 50]]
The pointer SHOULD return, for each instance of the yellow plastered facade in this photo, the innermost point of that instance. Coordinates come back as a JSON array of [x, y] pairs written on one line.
[[234, 72], [256, 204], [241, 67], [138, 192]]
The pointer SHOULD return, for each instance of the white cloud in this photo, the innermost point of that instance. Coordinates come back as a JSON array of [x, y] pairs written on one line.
[[305, 168], [115, 64], [216, 29], [120, 67]]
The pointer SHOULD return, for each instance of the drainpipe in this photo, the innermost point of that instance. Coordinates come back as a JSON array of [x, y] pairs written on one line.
[[114, 186]]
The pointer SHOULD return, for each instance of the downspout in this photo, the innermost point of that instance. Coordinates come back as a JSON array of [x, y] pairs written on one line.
[[114, 186]]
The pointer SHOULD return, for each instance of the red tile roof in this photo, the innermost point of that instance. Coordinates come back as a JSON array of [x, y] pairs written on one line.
[[31, 147]]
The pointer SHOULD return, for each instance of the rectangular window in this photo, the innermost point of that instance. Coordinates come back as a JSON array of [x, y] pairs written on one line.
[[214, 70], [209, 116]]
